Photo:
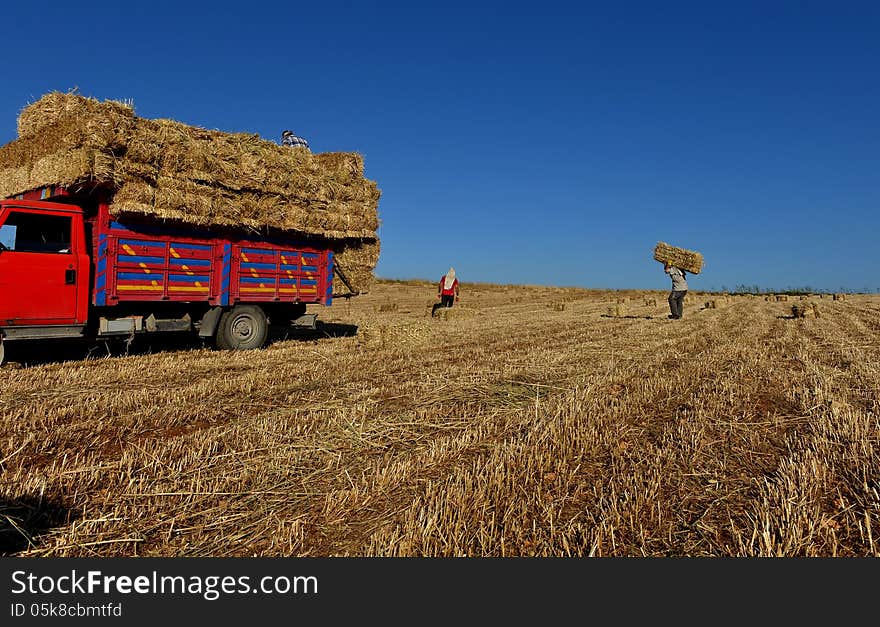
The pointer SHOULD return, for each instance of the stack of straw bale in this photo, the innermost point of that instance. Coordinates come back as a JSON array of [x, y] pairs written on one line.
[[172, 171], [687, 260], [805, 310]]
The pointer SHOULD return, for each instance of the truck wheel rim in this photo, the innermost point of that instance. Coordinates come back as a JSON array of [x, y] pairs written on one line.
[[242, 328]]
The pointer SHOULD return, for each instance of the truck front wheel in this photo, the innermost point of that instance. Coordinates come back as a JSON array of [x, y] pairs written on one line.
[[244, 327]]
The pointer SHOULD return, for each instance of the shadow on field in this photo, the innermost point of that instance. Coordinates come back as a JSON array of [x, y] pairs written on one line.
[[630, 317], [321, 331], [27, 354], [24, 517]]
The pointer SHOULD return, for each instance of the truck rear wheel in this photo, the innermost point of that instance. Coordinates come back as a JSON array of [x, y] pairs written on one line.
[[244, 327]]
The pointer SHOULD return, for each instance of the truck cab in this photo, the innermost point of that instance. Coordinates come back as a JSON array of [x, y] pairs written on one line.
[[44, 269]]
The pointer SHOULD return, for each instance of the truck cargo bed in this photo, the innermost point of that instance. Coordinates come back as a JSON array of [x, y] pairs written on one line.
[[135, 262]]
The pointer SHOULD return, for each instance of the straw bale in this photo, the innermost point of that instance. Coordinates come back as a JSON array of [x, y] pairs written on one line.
[[357, 259], [70, 167], [12, 180], [56, 105], [453, 313], [136, 171], [345, 165], [687, 260], [805, 310], [198, 204], [108, 134]]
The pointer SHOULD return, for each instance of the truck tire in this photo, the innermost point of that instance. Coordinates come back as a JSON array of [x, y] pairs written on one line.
[[244, 327]]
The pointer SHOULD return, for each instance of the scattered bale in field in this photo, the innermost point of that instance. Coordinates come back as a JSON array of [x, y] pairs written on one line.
[[711, 304], [617, 310], [387, 307], [557, 305], [806, 310], [650, 302], [453, 313], [621, 301], [781, 298], [839, 297], [687, 260]]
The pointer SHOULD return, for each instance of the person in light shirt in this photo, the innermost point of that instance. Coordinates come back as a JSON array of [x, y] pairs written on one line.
[[679, 289]]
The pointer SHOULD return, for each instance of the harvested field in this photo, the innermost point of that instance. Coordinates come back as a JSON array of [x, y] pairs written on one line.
[[512, 427]]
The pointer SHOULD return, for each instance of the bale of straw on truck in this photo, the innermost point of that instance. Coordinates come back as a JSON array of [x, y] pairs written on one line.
[[687, 260], [166, 170]]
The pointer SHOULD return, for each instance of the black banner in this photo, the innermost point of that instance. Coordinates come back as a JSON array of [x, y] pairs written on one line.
[[403, 590]]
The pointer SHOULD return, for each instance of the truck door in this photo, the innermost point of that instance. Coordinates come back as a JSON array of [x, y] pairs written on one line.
[[39, 270]]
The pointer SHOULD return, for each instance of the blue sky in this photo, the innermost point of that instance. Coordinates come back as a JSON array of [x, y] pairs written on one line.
[[550, 143]]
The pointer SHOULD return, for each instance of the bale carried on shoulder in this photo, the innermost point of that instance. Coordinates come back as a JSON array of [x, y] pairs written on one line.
[[687, 260]]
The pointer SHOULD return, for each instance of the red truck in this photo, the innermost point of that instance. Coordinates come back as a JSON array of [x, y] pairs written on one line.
[[69, 269]]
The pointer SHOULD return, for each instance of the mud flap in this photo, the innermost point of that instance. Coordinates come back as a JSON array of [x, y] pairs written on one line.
[[211, 319]]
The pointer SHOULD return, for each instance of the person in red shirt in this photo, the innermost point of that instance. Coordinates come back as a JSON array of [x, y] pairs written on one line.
[[447, 291]]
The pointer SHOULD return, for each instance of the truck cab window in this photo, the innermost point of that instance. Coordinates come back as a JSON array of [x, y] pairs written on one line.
[[36, 233], [7, 237]]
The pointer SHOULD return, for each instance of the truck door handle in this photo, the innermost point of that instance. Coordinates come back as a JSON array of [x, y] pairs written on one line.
[[69, 276]]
